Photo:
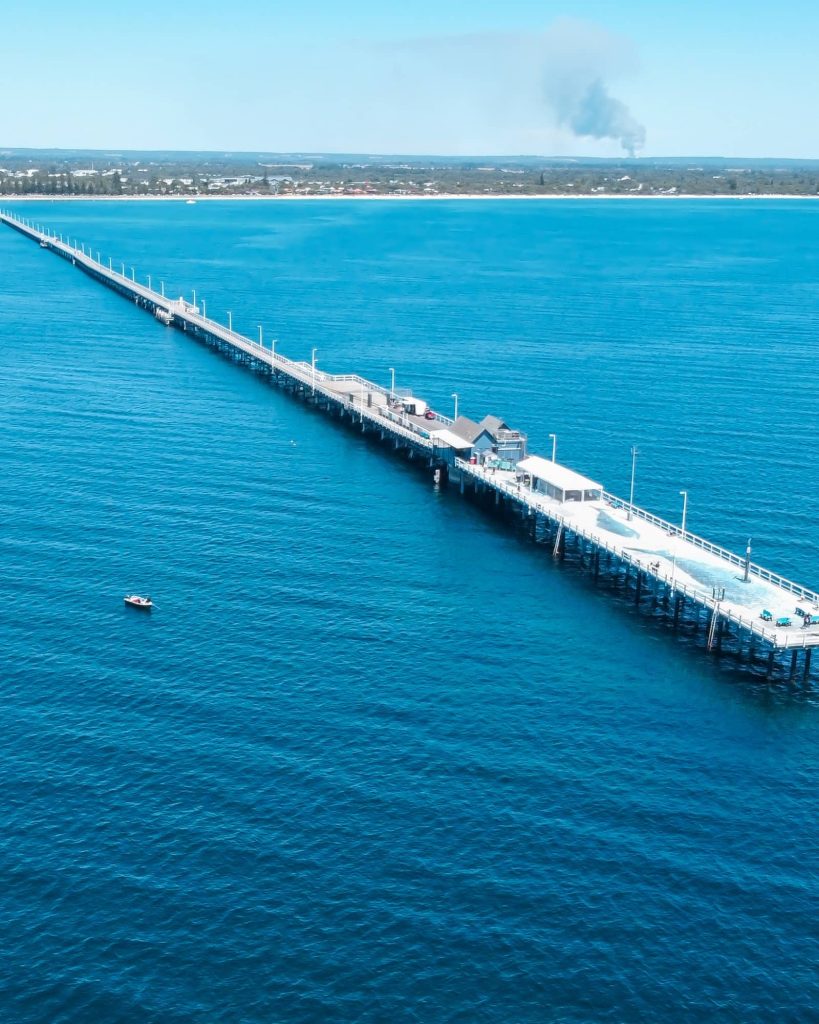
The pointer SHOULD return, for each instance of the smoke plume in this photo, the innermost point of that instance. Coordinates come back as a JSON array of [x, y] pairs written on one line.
[[503, 91], [578, 58], [593, 112]]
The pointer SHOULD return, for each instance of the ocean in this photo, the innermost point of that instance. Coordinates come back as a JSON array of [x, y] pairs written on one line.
[[374, 757]]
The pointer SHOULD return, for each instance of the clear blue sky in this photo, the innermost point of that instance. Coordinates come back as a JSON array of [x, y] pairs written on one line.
[[708, 77]]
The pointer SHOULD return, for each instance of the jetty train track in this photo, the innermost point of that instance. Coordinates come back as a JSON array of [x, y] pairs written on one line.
[[733, 607]]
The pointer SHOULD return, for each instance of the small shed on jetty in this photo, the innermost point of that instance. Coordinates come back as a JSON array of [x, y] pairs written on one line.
[[449, 446], [558, 482]]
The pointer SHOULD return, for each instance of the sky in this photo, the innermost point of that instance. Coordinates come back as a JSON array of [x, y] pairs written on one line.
[[455, 77]]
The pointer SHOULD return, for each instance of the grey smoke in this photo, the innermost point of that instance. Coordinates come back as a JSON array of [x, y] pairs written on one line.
[[593, 112], [467, 89], [578, 59]]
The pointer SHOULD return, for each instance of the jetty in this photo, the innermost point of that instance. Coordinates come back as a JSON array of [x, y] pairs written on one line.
[[733, 607]]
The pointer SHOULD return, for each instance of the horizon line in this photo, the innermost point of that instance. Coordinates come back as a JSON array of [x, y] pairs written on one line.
[[371, 154]]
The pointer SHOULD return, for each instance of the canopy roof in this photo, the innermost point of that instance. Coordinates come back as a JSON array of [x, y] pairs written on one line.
[[562, 477], [447, 437]]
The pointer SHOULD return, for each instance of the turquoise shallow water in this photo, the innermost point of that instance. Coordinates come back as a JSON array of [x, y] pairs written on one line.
[[373, 757]]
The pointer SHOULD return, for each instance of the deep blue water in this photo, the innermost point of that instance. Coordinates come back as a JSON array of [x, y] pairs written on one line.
[[373, 757]]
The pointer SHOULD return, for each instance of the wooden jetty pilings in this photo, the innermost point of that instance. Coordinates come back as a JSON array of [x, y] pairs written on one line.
[[736, 609]]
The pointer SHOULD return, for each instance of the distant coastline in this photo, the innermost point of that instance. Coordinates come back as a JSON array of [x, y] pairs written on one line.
[[47, 174], [733, 197]]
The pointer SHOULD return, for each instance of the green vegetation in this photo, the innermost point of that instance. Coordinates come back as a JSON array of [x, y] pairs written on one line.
[[62, 173]]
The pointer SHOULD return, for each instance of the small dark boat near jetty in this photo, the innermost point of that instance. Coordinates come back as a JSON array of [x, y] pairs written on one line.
[[135, 601]]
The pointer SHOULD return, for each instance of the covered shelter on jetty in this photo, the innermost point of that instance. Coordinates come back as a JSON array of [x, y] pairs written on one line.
[[558, 482], [449, 446]]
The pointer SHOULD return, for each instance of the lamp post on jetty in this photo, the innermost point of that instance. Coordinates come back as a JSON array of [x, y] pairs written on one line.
[[149, 282], [162, 288], [554, 447], [204, 310], [674, 556], [392, 382], [123, 269], [455, 396], [133, 273], [313, 365], [261, 337], [230, 322], [634, 454]]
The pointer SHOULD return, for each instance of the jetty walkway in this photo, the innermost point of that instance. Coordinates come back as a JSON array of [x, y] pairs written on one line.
[[760, 619]]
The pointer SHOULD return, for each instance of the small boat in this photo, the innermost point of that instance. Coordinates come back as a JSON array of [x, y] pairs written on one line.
[[191, 202], [135, 601]]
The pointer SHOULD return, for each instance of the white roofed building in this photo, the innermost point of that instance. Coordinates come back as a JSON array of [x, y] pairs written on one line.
[[558, 482], [447, 445]]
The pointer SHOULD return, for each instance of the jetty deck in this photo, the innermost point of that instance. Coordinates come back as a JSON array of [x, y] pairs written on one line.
[[686, 578]]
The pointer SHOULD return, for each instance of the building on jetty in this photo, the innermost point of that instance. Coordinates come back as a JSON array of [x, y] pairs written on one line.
[[557, 482], [491, 437], [732, 606]]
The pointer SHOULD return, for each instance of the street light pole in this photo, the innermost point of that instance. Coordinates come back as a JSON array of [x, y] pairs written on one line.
[[230, 321], [313, 364], [674, 556], [392, 382], [554, 447], [634, 454], [455, 396], [261, 337]]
